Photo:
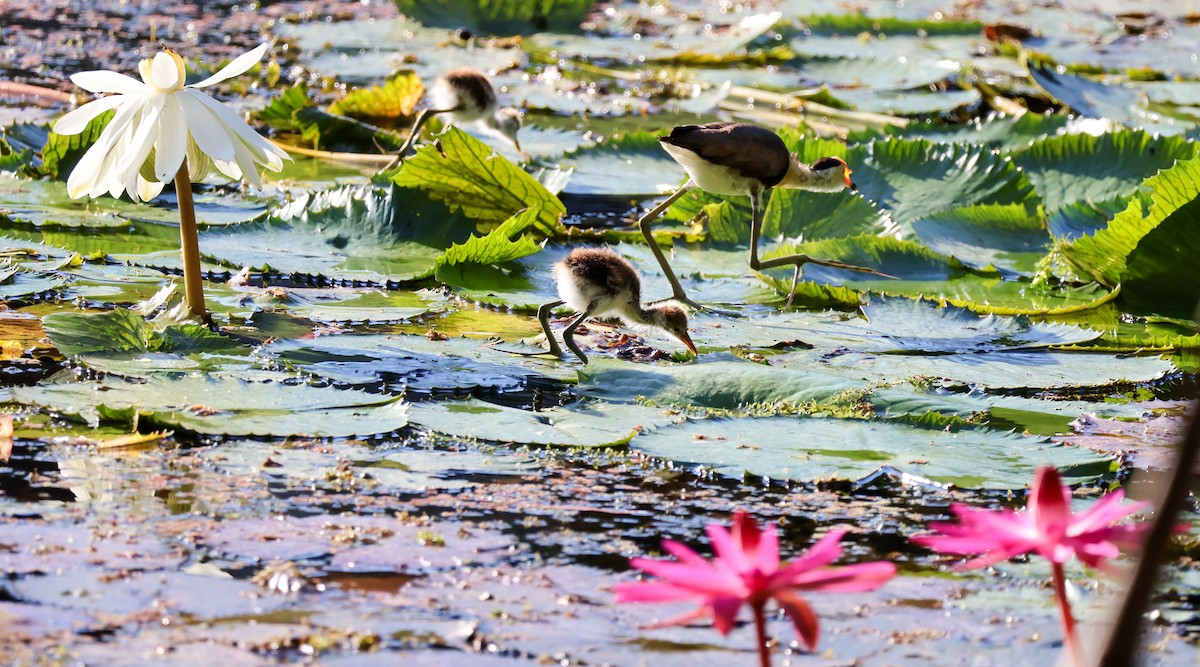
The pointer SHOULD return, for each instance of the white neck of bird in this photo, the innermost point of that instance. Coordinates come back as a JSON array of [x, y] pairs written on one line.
[[800, 176]]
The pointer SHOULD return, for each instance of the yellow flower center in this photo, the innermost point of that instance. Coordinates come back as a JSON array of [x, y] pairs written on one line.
[[165, 71]]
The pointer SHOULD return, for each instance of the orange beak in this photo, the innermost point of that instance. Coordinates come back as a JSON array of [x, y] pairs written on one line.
[[849, 183], [687, 340]]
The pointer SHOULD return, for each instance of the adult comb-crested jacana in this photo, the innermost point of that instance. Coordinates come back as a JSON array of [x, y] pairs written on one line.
[[598, 282], [739, 159], [466, 95]]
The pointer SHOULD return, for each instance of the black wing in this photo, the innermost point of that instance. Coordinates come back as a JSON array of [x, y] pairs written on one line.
[[750, 150]]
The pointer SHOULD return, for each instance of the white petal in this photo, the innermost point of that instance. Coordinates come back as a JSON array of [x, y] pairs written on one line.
[[172, 142], [237, 66], [245, 162], [205, 127], [74, 122], [138, 148], [230, 169], [164, 72], [253, 140], [103, 81], [88, 172], [148, 190]]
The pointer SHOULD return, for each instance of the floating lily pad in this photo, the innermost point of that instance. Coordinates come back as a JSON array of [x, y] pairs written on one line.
[[991, 370], [907, 103], [913, 179], [364, 244], [1080, 167], [892, 325], [584, 424], [633, 164], [682, 41], [262, 404], [718, 384], [413, 363], [812, 449]]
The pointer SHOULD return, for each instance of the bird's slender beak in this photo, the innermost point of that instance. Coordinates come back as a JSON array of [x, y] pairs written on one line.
[[849, 183], [687, 340]]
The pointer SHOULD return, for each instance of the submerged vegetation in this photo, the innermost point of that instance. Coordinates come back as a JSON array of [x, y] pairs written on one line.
[[368, 449]]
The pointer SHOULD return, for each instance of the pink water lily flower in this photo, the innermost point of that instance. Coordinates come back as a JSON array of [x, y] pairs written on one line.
[[747, 571], [1046, 527]]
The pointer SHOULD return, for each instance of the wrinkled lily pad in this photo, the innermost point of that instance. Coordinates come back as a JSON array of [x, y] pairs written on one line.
[[1080, 167], [586, 424], [633, 165], [913, 179], [412, 363], [264, 404], [811, 449], [364, 244]]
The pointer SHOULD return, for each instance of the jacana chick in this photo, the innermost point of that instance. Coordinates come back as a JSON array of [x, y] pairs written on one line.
[[467, 96], [598, 282]]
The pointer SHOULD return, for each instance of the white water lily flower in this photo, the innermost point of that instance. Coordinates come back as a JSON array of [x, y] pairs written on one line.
[[159, 121]]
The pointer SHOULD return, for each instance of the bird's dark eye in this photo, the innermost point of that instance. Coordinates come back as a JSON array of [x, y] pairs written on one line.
[[826, 163]]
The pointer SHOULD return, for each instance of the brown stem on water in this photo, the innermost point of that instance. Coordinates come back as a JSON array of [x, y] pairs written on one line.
[[189, 243], [1070, 636], [760, 633]]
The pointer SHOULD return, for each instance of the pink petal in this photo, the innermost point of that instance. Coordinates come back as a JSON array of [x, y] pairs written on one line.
[[103, 81], [824, 552], [704, 580], [235, 67], [684, 553], [1049, 502], [728, 550], [725, 611], [803, 618], [651, 591], [766, 556], [703, 611], [846, 579], [1105, 511]]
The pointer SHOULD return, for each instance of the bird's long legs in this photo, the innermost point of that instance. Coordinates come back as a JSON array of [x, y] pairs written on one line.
[[569, 334], [797, 260], [412, 135], [544, 320], [677, 292]]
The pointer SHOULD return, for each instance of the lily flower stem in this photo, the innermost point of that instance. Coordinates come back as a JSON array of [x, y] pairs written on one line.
[[760, 632], [189, 242], [1070, 638]]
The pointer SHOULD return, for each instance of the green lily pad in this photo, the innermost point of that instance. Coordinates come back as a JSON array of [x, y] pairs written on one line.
[[1007, 236], [464, 173], [262, 404], [914, 179], [1081, 167], [1040, 369], [498, 17], [344, 234], [632, 164], [996, 130], [716, 383], [1147, 246], [414, 363], [907, 103], [891, 325], [813, 449], [584, 424]]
